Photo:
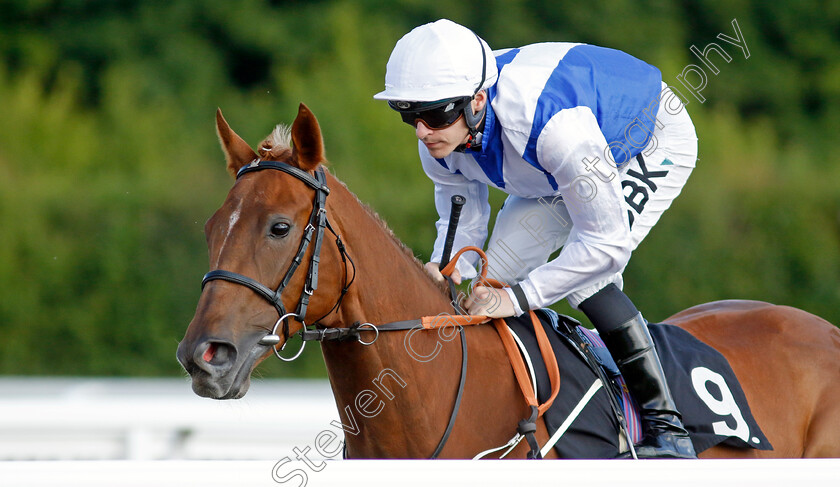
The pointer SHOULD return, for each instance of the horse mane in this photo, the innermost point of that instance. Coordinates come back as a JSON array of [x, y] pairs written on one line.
[[277, 146], [400, 244]]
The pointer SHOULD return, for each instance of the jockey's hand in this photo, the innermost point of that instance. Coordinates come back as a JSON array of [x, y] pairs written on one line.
[[433, 268], [490, 302]]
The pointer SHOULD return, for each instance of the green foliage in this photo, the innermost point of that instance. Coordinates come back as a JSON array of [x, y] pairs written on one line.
[[757, 220], [109, 164]]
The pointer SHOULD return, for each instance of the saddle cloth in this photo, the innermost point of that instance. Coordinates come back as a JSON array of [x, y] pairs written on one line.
[[704, 387]]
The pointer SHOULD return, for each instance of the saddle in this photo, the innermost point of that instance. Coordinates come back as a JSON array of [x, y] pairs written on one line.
[[593, 415]]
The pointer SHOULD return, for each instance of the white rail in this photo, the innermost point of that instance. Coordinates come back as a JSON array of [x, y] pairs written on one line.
[[156, 432], [154, 419], [425, 473]]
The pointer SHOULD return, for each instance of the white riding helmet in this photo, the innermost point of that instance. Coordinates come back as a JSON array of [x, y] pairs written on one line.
[[437, 61]]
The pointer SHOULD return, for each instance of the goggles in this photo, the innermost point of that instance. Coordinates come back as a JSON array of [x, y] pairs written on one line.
[[435, 115]]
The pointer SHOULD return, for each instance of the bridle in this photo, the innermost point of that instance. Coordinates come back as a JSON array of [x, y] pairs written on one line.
[[318, 221]]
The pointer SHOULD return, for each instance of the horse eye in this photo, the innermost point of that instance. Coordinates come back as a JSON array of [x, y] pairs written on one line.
[[280, 229]]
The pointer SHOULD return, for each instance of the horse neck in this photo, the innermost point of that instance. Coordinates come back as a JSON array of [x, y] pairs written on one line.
[[390, 284]]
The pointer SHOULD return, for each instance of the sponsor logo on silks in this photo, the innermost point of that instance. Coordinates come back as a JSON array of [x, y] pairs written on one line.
[[667, 162], [638, 196]]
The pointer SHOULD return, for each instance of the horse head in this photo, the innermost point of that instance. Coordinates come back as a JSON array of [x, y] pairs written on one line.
[[258, 257]]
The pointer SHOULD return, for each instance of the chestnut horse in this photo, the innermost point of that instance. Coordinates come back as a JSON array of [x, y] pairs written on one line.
[[393, 405]]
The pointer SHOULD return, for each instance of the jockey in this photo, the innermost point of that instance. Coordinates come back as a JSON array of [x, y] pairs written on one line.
[[590, 146]]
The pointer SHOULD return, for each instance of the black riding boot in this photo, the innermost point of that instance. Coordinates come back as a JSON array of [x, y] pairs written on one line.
[[625, 333]]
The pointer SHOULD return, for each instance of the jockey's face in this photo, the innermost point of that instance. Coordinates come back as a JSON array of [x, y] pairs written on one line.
[[441, 142]]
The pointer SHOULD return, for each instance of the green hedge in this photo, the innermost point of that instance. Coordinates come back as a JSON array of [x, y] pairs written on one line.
[[109, 164]]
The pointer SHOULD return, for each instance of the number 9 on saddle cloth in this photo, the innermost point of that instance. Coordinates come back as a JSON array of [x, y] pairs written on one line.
[[705, 390]]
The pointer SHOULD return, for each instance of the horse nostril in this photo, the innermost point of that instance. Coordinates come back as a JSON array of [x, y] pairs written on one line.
[[209, 353], [214, 356]]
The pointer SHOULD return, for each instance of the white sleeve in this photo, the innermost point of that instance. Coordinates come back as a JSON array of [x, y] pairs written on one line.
[[475, 214], [572, 148]]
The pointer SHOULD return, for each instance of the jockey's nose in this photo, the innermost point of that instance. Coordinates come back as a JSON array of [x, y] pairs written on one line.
[[421, 130]]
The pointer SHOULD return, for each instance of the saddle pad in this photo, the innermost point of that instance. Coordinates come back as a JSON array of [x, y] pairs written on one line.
[[706, 391], [594, 433], [704, 386]]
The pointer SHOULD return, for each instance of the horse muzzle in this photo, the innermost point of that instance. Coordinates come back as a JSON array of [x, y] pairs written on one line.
[[217, 368]]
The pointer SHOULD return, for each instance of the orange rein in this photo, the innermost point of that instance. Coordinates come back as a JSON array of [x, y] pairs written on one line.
[[516, 360]]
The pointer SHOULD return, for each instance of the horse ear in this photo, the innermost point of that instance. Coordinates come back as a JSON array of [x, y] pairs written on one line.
[[308, 145], [237, 151]]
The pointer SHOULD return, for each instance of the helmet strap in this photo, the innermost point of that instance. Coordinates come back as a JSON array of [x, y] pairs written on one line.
[[475, 125], [474, 120]]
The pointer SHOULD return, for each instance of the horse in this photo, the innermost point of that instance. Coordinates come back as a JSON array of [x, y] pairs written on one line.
[[391, 404]]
